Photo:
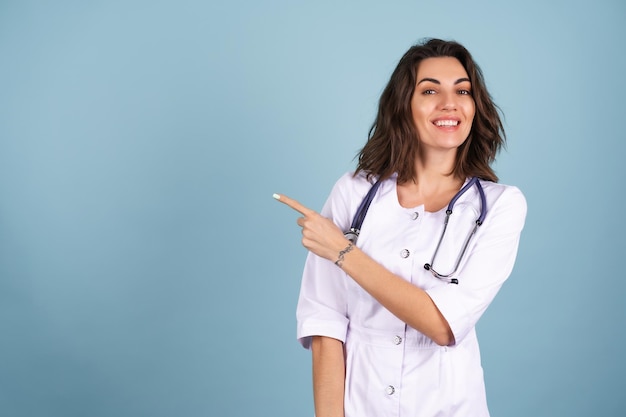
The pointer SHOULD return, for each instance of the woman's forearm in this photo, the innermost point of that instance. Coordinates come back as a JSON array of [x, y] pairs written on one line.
[[406, 301], [328, 376]]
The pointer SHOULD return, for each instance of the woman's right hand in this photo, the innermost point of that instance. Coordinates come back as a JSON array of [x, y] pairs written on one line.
[[319, 234]]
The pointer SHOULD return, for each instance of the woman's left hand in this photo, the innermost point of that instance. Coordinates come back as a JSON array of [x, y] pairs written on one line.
[[319, 234]]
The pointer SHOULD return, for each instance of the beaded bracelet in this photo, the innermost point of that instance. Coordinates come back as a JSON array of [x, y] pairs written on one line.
[[339, 261]]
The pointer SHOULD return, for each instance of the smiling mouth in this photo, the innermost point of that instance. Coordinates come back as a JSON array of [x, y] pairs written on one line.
[[445, 123]]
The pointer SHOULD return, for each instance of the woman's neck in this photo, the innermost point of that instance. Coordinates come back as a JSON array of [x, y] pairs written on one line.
[[433, 186]]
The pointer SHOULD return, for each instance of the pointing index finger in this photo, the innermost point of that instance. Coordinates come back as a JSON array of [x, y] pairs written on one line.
[[305, 211]]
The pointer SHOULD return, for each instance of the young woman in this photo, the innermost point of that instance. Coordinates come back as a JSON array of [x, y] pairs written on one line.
[[391, 317]]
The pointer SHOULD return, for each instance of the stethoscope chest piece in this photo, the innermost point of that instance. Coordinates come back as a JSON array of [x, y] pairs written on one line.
[[352, 235]]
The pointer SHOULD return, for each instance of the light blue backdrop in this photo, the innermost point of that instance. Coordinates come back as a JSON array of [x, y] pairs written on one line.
[[145, 269]]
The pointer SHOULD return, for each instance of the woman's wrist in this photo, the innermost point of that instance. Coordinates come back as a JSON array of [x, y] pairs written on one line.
[[342, 254]]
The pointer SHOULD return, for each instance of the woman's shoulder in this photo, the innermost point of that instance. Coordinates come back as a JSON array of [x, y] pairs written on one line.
[[505, 198], [499, 190], [349, 190], [352, 183], [344, 198]]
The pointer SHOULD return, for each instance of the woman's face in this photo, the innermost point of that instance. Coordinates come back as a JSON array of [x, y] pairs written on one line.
[[442, 105]]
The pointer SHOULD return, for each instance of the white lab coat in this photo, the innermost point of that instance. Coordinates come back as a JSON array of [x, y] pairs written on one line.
[[391, 368]]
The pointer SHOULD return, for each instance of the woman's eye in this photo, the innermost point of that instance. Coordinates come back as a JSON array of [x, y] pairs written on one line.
[[429, 91], [465, 92]]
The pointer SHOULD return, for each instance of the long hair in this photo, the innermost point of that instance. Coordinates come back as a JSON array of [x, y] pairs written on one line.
[[393, 140]]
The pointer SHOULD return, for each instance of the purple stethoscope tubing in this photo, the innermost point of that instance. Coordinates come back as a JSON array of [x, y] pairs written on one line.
[[357, 222]]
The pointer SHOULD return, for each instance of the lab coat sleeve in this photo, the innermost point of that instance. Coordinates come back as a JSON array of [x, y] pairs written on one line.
[[322, 304], [487, 266]]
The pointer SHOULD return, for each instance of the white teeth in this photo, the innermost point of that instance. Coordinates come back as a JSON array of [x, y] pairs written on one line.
[[446, 122]]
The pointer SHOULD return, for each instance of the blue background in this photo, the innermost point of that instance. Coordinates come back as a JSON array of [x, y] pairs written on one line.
[[145, 269]]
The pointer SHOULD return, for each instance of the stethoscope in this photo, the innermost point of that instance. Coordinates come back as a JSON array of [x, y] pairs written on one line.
[[355, 228]]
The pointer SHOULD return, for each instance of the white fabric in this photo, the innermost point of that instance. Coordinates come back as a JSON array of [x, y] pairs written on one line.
[[392, 369]]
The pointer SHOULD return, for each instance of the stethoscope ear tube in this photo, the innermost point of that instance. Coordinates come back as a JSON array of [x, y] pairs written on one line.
[[357, 221]]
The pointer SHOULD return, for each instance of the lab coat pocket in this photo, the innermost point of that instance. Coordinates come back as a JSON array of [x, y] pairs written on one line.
[[429, 369], [426, 380]]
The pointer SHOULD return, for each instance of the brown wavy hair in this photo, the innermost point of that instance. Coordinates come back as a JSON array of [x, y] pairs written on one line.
[[393, 141]]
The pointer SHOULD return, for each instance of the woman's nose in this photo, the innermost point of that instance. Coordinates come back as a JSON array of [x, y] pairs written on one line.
[[448, 101]]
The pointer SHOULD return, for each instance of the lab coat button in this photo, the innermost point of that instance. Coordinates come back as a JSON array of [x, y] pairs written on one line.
[[397, 340], [390, 390], [405, 253], [415, 215]]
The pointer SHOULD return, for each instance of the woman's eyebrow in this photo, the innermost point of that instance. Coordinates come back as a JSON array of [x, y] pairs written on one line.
[[432, 80], [435, 81]]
